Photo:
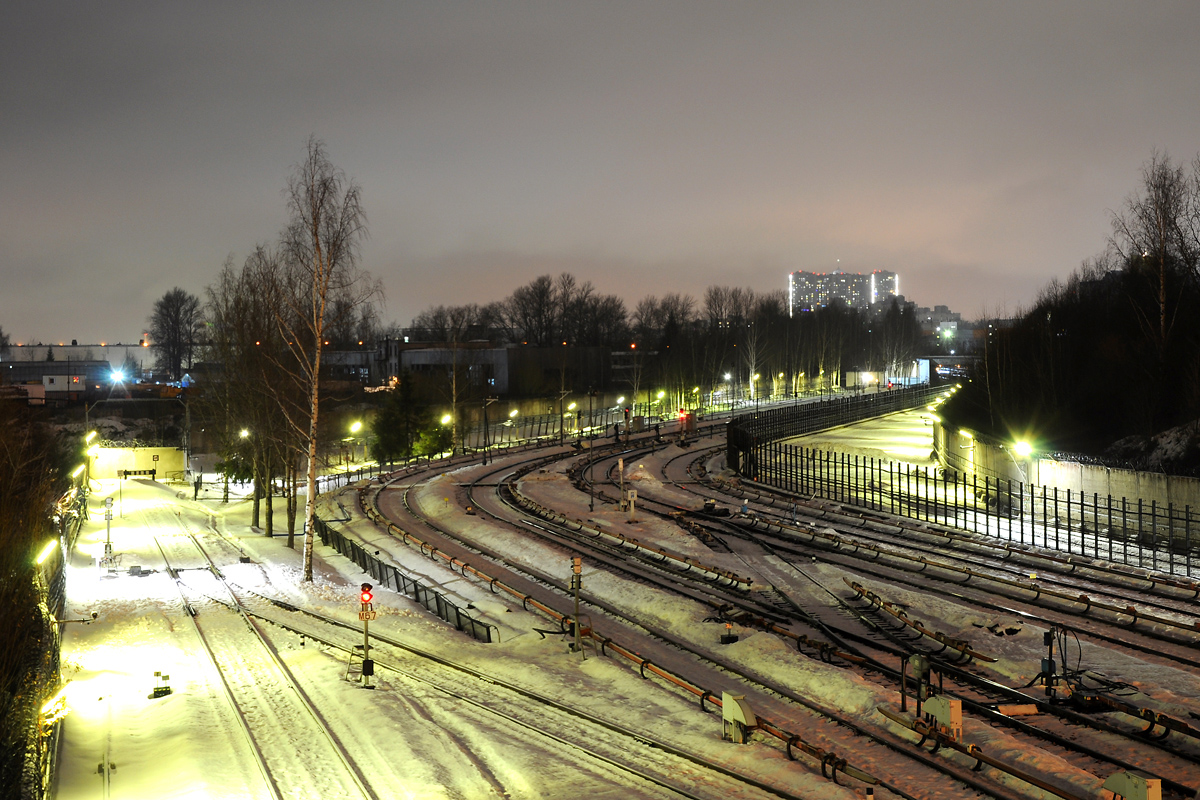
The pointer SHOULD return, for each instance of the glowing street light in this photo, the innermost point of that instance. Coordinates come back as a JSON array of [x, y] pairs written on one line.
[[446, 419], [47, 550], [1023, 449], [355, 427]]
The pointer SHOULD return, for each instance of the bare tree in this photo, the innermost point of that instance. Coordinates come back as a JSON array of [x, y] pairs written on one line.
[[175, 329], [321, 249], [532, 310], [1159, 234]]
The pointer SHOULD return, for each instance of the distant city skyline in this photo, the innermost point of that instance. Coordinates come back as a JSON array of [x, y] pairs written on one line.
[[648, 148], [808, 291]]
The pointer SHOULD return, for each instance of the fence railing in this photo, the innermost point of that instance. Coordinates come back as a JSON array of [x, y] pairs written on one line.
[[1144, 535], [750, 431], [389, 575]]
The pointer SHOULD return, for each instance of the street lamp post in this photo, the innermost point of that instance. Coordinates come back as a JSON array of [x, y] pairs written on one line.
[[561, 432], [355, 427], [487, 402], [591, 441]]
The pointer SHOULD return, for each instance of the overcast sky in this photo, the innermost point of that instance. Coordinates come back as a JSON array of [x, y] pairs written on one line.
[[977, 149]]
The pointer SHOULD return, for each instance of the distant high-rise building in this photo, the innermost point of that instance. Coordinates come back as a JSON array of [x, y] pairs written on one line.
[[811, 290]]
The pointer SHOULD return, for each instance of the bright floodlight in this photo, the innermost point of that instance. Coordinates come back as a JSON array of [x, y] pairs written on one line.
[[661, 395], [356, 427], [620, 399], [1023, 449], [512, 413], [571, 407], [446, 419], [243, 433], [118, 376], [91, 435], [47, 550], [727, 376]]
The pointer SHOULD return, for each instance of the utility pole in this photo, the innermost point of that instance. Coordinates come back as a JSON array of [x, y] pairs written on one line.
[[561, 427], [591, 443]]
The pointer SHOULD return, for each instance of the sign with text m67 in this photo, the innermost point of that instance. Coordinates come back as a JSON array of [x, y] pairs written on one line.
[[367, 615]]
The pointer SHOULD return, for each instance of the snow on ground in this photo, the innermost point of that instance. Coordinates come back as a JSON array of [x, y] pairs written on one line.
[[423, 743], [188, 744]]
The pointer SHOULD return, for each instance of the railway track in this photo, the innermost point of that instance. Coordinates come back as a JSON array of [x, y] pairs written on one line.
[[296, 748], [931, 786], [1180, 772]]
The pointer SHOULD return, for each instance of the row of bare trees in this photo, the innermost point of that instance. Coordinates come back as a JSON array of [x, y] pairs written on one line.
[[679, 345], [269, 323]]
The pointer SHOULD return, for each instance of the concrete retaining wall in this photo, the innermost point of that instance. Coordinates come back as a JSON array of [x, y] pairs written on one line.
[[110, 460], [966, 453]]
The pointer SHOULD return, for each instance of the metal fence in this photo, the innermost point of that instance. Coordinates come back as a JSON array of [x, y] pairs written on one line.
[[389, 575], [749, 432], [1133, 532]]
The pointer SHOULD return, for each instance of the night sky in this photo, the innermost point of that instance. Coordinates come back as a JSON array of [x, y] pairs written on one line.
[[978, 149]]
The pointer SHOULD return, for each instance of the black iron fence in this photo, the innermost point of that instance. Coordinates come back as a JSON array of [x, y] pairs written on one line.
[[389, 575], [1133, 532], [749, 432]]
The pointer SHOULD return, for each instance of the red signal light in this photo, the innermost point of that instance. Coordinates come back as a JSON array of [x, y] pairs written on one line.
[[365, 596]]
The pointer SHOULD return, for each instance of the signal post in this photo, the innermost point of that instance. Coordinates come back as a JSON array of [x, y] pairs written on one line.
[[367, 613]]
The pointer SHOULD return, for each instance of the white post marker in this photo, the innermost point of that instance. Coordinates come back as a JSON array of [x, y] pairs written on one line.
[[107, 560], [576, 583], [621, 477]]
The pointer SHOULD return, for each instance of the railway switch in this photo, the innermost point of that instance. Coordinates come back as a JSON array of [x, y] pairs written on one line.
[[946, 714], [736, 718], [1134, 785]]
